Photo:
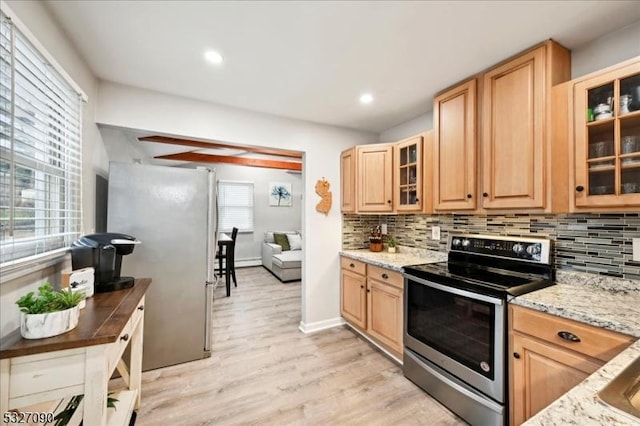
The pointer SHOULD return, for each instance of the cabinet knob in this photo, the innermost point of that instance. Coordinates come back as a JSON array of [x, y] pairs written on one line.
[[579, 188], [385, 276], [388, 201], [368, 291], [361, 286], [417, 200], [569, 336], [516, 355], [468, 195], [141, 308], [125, 337], [352, 265], [485, 195]]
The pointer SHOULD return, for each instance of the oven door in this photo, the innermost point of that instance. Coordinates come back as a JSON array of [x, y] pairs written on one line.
[[460, 331]]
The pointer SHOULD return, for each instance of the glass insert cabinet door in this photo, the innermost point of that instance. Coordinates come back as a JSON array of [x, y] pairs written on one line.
[[408, 165], [607, 131]]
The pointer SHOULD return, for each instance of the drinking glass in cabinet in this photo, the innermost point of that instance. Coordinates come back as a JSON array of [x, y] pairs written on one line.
[[413, 153], [630, 93], [630, 145], [600, 149], [630, 187]]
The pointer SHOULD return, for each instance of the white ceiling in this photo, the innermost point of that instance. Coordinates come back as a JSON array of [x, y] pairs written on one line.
[[312, 60]]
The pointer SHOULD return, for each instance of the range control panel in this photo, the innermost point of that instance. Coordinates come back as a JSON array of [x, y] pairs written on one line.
[[529, 249]]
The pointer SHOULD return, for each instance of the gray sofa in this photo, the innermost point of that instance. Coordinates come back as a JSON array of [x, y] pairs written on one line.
[[286, 265]]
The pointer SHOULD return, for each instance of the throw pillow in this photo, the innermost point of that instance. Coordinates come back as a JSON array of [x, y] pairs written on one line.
[[295, 241], [268, 237], [281, 240]]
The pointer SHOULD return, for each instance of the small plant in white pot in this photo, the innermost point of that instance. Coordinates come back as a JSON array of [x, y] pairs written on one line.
[[392, 243], [49, 312]]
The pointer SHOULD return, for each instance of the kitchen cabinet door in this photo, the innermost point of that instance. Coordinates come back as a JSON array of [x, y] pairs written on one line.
[[541, 374], [454, 150], [384, 314], [408, 166], [375, 178], [513, 133], [607, 140], [354, 298], [348, 181]]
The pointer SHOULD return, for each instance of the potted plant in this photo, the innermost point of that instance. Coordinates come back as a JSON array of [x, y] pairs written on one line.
[[391, 243], [49, 312]]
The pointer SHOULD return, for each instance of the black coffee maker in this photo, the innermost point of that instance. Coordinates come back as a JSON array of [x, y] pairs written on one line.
[[104, 253]]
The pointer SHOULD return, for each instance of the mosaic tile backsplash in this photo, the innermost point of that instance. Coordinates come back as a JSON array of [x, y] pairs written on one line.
[[595, 243]]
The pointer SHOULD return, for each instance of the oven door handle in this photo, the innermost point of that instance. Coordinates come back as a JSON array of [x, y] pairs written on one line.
[[459, 292]]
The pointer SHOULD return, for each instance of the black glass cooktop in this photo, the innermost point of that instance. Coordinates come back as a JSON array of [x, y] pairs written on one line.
[[479, 278]]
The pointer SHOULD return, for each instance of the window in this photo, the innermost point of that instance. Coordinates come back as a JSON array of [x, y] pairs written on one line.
[[235, 205], [40, 152]]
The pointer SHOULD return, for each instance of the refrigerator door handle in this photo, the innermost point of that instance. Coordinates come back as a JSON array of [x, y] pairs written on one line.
[[208, 306]]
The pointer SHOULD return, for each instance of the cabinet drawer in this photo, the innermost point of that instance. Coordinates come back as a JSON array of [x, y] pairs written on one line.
[[593, 341], [353, 265], [386, 276], [117, 348]]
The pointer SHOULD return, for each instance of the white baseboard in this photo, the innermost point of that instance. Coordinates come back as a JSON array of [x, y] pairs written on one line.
[[248, 262], [321, 325]]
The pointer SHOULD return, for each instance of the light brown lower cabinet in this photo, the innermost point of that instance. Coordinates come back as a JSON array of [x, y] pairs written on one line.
[[550, 355], [371, 300]]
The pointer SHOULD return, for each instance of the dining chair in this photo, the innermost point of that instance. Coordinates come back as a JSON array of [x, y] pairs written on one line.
[[228, 255]]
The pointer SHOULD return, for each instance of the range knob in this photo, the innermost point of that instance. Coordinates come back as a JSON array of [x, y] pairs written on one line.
[[533, 249], [456, 242], [518, 248], [466, 243]]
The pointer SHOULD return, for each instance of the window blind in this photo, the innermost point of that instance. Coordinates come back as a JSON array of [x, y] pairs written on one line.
[[235, 205], [40, 152]]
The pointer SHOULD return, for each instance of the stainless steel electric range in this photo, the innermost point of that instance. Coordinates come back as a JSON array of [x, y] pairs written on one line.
[[455, 320]]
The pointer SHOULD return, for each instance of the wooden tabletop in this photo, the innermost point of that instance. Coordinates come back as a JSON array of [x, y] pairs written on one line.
[[101, 321]]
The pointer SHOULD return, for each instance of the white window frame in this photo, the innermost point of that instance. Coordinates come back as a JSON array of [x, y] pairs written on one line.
[[40, 255], [226, 218]]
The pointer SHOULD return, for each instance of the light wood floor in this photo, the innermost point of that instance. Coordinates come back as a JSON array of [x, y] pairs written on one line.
[[263, 370]]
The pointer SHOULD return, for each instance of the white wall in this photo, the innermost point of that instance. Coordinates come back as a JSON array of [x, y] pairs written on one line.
[[34, 15], [409, 128], [134, 108], [266, 218], [605, 51]]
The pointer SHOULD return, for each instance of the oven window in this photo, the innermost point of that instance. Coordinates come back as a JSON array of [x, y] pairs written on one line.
[[457, 326]]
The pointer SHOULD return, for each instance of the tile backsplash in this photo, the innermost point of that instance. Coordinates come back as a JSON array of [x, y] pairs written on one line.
[[595, 243]]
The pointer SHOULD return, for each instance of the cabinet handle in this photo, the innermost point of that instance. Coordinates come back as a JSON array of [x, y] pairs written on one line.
[[567, 335], [385, 276], [141, 308], [125, 337], [352, 265], [579, 188], [485, 195], [516, 355], [468, 195]]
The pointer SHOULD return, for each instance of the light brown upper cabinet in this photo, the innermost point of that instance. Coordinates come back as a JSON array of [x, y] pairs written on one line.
[[517, 145], [407, 162], [375, 178], [348, 181], [454, 148], [606, 144]]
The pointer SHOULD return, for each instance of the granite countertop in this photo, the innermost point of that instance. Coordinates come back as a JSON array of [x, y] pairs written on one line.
[[395, 261], [610, 303]]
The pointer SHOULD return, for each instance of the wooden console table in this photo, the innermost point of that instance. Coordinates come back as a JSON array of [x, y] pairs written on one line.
[[81, 361]]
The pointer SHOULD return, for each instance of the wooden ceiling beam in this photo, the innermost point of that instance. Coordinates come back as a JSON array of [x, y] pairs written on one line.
[[244, 161], [210, 145]]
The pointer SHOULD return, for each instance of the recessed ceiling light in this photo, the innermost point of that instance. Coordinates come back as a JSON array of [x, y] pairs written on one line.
[[213, 57], [366, 98]]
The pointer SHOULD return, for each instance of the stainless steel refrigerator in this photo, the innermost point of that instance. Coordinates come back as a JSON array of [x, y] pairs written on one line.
[[173, 212]]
